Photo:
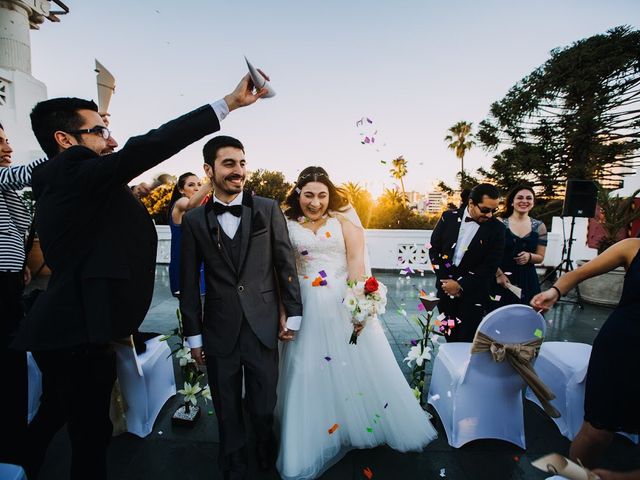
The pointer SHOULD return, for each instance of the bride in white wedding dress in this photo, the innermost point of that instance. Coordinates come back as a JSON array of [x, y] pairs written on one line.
[[333, 396]]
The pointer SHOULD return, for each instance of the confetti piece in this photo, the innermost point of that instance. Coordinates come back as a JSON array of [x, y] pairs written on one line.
[[160, 432], [304, 252], [496, 298], [498, 332], [322, 273], [414, 343], [369, 429], [367, 473], [386, 405], [421, 307], [447, 265], [442, 474], [516, 458], [449, 393], [436, 267], [327, 234], [328, 359], [435, 397], [538, 333], [445, 256], [383, 162], [210, 412], [451, 323], [306, 277], [427, 245], [507, 273], [442, 316], [333, 428]]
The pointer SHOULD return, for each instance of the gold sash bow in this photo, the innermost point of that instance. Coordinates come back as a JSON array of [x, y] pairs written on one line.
[[519, 356]]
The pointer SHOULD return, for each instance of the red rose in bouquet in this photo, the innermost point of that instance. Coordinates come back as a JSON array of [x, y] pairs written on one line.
[[371, 285]]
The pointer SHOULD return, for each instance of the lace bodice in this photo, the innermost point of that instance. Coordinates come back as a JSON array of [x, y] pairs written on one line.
[[323, 251]]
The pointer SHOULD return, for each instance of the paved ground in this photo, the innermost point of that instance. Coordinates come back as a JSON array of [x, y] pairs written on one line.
[[173, 452]]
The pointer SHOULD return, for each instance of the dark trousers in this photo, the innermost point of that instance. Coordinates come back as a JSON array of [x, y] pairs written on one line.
[[225, 374], [76, 390], [13, 372], [469, 311]]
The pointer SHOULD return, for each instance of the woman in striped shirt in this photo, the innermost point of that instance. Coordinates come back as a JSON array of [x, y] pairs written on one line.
[[14, 225]]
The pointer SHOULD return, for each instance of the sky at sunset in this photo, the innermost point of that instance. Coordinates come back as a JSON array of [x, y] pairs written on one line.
[[414, 67]]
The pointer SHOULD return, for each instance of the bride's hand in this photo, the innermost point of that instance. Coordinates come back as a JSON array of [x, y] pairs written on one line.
[[357, 328]]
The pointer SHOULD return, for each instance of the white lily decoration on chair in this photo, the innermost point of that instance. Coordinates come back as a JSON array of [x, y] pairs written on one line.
[[190, 392], [419, 357], [184, 356]]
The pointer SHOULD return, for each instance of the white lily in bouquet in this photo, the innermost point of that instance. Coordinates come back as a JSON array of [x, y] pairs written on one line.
[[363, 300]]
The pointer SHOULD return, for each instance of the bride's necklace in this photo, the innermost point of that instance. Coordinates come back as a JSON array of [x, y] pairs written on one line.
[[304, 219]]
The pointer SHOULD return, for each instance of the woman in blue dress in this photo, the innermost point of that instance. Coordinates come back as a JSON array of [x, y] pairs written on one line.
[[187, 194], [524, 247]]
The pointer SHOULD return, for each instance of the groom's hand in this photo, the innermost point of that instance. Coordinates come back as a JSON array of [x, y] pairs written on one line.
[[284, 334], [198, 355]]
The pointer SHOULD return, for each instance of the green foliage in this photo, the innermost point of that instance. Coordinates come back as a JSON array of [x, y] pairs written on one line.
[[269, 184], [576, 116], [616, 215], [390, 212]]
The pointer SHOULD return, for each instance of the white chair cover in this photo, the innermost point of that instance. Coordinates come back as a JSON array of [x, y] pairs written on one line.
[[147, 381], [477, 397], [34, 383], [9, 471], [562, 366]]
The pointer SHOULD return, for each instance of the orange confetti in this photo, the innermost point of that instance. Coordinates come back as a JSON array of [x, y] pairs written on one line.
[[333, 428], [367, 473], [327, 234], [306, 277], [445, 256]]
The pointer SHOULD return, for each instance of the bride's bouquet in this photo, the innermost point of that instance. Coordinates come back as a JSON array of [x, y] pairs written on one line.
[[363, 300]]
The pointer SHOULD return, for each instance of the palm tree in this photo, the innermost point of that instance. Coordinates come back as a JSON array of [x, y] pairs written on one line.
[[398, 172], [460, 141], [360, 199], [391, 197]]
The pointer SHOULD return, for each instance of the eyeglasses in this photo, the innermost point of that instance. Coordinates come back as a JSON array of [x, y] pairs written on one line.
[[103, 131]]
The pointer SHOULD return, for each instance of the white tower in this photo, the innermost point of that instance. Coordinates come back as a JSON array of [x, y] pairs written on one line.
[[19, 90]]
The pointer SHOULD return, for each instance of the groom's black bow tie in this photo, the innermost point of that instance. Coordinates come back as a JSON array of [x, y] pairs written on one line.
[[470, 219], [219, 209]]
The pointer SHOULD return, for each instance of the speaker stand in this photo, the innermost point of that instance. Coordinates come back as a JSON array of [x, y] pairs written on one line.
[[566, 265]]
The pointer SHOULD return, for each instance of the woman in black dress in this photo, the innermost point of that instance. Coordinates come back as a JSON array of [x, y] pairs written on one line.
[[613, 377], [525, 244]]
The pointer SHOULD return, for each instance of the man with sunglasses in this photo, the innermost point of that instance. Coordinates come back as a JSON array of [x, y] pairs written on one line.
[[100, 244], [466, 247]]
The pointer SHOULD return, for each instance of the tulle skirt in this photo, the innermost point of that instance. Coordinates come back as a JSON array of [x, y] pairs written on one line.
[[333, 396]]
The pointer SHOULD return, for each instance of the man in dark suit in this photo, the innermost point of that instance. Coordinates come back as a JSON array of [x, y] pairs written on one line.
[[100, 244], [252, 292], [466, 247]]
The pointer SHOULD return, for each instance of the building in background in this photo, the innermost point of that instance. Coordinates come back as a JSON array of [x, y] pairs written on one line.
[[19, 90]]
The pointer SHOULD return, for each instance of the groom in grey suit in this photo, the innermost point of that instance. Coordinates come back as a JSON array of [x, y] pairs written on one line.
[[252, 299]]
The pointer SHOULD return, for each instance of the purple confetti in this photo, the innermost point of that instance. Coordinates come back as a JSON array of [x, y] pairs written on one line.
[[304, 252], [328, 359], [414, 343], [322, 274], [386, 405]]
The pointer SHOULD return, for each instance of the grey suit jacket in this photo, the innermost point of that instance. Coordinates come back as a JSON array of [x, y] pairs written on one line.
[[267, 272]]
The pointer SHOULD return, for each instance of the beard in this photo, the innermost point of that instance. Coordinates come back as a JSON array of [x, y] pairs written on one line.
[[225, 185]]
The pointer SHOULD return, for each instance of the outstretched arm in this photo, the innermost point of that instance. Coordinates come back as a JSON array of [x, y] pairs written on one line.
[[620, 254]]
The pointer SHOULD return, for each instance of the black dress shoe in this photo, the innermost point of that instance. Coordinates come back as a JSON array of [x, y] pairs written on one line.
[[234, 465], [266, 456]]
